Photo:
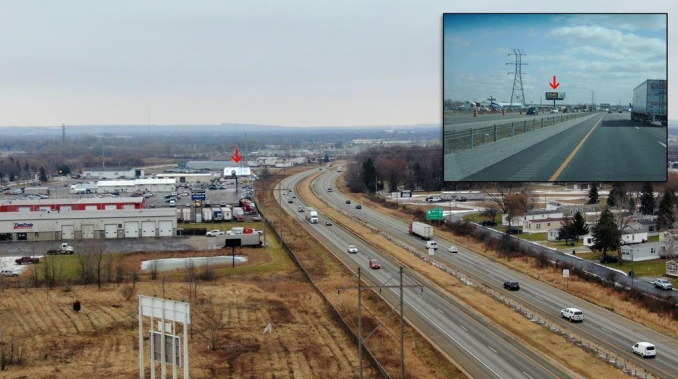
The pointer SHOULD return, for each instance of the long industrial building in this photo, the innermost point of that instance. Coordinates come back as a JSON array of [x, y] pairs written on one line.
[[75, 219]]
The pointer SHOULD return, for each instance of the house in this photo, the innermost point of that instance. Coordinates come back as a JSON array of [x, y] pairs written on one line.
[[626, 238], [672, 268], [553, 234], [646, 225], [532, 215], [541, 225], [642, 252], [572, 209]]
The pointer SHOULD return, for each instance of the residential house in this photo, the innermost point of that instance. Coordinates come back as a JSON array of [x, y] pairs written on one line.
[[541, 225], [532, 215], [642, 251]]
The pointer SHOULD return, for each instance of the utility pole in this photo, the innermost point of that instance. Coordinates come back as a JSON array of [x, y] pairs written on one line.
[[400, 285]]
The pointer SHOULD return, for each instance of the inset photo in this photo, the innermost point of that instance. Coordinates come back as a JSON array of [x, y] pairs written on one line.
[[555, 97]]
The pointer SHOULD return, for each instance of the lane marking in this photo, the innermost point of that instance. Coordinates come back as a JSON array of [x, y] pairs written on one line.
[[466, 330], [661, 143], [490, 347], [439, 310], [637, 128], [527, 375], [607, 331], [574, 152]]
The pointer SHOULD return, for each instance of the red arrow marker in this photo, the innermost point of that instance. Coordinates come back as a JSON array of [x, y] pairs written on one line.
[[236, 157], [554, 85]]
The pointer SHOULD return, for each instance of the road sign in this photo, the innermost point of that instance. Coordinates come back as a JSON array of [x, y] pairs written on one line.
[[198, 196], [434, 214], [566, 273], [555, 95]]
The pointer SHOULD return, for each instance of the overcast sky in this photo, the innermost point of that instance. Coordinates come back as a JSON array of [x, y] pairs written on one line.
[[293, 62], [606, 56]]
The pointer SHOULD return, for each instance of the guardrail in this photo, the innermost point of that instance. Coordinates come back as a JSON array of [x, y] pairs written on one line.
[[458, 140]]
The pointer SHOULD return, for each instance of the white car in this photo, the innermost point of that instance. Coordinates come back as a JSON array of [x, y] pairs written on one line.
[[8, 272], [572, 314], [452, 249], [352, 249], [645, 349], [663, 284], [214, 233], [553, 110]]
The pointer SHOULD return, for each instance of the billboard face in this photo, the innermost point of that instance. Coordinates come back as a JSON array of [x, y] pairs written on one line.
[[523, 128], [236, 171]]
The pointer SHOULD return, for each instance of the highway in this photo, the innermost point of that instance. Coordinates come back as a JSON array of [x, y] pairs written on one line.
[[603, 327], [605, 147], [484, 350]]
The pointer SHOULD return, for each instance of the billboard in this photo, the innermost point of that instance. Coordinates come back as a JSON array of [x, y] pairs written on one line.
[[555, 95], [230, 172]]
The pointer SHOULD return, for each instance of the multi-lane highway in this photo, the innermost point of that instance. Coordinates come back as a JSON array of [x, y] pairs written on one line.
[[604, 328], [602, 147]]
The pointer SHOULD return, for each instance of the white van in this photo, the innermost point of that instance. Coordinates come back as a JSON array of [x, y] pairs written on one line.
[[172, 203], [644, 349], [432, 245]]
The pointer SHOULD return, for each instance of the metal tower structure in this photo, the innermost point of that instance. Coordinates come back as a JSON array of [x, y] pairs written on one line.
[[517, 94]]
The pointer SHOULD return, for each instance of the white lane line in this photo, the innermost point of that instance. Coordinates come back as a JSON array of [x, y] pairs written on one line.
[[440, 310], [637, 128], [661, 143], [527, 375], [466, 330], [490, 347], [607, 331], [539, 297]]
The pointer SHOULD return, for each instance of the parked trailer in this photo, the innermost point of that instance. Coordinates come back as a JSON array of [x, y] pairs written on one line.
[[227, 212], [217, 215], [238, 214], [649, 102], [246, 240], [421, 230], [207, 215]]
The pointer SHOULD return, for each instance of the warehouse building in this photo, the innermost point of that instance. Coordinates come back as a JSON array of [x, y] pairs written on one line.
[[76, 219]]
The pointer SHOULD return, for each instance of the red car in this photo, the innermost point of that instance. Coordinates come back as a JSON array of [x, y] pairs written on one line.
[[374, 264]]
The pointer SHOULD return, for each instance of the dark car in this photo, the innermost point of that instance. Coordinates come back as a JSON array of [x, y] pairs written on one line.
[[328, 223], [532, 111], [488, 223], [358, 206], [290, 201], [348, 201], [512, 285], [609, 259], [514, 230]]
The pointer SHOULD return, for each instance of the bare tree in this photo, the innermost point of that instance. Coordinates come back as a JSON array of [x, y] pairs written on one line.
[[213, 315]]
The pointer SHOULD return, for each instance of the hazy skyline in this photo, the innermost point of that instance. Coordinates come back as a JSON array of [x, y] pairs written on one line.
[[295, 63]]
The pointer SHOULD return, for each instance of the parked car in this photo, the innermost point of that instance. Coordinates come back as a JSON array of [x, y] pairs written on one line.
[[452, 249], [572, 314], [214, 233], [352, 249], [7, 272], [488, 223], [609, 259], [645, 349], [514, 230], [512, 285], [664, 284], [374, 264], [256, 217]]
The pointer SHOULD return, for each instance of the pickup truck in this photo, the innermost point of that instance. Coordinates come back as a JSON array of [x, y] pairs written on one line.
[[26, 260], [663, 284]]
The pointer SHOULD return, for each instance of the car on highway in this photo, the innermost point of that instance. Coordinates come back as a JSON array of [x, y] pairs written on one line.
[[214, 233], [645, 349], [300, 209], [554, 110], [290, 201], [532, 111], [256, 217], [348, 201], [512, 285], [329, 190], [352, 249], [452, 249], [358, 206], [572, 314], [328, 223], [664, 284], [374, 264], [609, 111], [294, 196]]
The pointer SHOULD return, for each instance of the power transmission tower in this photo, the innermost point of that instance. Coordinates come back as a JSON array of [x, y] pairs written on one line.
[[517, 93]]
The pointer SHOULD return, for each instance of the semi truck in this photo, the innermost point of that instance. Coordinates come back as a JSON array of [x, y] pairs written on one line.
[[238, 214], [218, 215], [650, 102], [63, 249], [421, 230], [311, 215]]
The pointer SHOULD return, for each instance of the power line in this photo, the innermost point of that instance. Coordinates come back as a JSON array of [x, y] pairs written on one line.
[[517, 92]]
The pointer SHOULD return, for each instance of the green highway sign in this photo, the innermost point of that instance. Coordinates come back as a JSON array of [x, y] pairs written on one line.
[[434, 214]]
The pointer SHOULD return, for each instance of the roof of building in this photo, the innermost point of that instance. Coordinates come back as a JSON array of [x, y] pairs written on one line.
[[85, 200]]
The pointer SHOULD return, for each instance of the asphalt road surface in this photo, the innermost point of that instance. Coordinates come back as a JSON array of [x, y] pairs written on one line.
[[610, 147]]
